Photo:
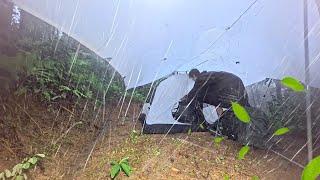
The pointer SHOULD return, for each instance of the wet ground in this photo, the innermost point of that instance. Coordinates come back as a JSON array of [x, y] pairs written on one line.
[[54, 131]]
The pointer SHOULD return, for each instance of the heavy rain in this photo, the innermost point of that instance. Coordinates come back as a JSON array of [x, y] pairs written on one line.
[[160, 89]]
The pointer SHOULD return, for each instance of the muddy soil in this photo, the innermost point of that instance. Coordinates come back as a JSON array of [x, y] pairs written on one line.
[[29, 127]]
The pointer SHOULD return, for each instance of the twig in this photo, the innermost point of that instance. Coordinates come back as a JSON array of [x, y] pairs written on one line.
[[100, 135], [299, 151], [55, 119], [67, 110], [55, 155], [91, 151], [294, 162], [196, 145], [284, 157], [67, 131], [6, 145], [30, 117], [316, 148]]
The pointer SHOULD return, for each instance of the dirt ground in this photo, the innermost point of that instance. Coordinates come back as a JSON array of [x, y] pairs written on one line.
[[56, 131]]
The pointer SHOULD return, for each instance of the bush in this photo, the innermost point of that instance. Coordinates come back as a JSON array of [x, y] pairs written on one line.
[[54, 80]]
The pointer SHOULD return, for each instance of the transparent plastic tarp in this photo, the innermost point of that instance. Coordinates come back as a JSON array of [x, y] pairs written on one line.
[[151, 38]]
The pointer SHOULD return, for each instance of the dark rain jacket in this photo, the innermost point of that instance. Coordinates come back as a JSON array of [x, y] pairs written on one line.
[[216, 88]]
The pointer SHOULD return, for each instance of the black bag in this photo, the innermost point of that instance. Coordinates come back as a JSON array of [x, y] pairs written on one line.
[[256, 133], [191, 114]]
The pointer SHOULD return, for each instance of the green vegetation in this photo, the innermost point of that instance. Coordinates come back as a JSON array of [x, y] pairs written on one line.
[[122, 165], [189, 131], [292, 83], [18, 172], [226, 177], [134, 135], [57, 69], [312, 170], [201, 126], [255, 178], [281, 131], [218, 140], [243, 151], [54, 80], [240, 112], [74, 79]]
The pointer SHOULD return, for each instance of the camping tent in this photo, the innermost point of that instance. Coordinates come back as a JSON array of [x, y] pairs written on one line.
[[159, 117], [149, 39]]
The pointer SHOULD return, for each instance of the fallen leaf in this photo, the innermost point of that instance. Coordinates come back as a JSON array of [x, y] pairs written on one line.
[[175, 169], [41, 155]]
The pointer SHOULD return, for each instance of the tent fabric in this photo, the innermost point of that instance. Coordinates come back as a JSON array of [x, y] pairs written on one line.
[[149, 39], [159, 118], [146, 108], [170, 128], [167, 95]]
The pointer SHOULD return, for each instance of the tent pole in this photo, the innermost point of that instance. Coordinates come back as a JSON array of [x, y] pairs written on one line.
[[307, 79]]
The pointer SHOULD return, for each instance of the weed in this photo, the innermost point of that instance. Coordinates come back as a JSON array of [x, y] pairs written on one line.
[[134, 135], [156, 151], [122, 165], [18, 172]]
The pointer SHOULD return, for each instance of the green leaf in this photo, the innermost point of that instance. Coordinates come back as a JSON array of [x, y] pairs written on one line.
[[26, 165], [7, 173], [218, 140], [19, 177], [201, 126], [281, 131], [33, 160], [2, 177], [240, 112], [243, 151], [189, 131], [79, 94], [47, 95], [125, 160], [226, 177], [20, 91], [17, 169], [255, 178], [25, 159], [115, 169], [312, 170], [41, 155], [64, 88], [18, 166], [25, 176], [292, 83], [113, 163], [126, 168], [157, 152]]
